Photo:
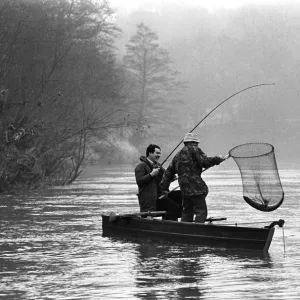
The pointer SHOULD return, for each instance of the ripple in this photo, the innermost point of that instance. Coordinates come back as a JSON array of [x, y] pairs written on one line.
[[51, 246]]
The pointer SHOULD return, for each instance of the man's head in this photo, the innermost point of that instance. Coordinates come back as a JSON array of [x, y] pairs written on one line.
[[191, 138], [153, 152]]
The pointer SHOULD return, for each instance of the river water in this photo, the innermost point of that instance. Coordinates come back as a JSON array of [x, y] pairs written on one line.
[[52, 246]]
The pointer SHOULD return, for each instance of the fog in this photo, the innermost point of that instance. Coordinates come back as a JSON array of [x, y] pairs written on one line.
[[82, 83], [219, 53]]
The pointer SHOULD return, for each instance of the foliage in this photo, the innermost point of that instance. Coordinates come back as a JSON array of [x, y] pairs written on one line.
[[60, 86]]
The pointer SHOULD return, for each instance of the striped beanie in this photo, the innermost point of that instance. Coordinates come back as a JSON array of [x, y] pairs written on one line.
[[191, 137]]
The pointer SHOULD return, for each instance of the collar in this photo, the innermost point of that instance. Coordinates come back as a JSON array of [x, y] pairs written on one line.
[[150, 161]]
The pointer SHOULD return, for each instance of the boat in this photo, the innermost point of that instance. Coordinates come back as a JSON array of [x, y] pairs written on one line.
[[149, 225], [163, 225]]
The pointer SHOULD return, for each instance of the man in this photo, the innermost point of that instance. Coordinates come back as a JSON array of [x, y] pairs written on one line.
[[148, 174], [189, 163]]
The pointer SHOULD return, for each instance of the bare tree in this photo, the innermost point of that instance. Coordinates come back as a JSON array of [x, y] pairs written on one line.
[[59, 87]]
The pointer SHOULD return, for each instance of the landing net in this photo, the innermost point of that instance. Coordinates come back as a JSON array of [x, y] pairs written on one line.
[[262, 188]]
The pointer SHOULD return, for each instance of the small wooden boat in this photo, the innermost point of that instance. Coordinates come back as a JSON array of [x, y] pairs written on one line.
[[208, 234]]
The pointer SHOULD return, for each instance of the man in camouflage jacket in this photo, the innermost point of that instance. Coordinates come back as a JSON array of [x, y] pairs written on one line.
[[189, 163]]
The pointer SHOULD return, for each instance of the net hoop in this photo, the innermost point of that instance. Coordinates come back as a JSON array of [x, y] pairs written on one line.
[[269, 149]]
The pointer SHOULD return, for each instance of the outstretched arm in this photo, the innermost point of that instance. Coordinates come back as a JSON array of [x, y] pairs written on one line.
[[208, 162]]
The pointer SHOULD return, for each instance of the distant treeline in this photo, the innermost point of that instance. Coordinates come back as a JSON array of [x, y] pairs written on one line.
[[221, 52], [64, 95]]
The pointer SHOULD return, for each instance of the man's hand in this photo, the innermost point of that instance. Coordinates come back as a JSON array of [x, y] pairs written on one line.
[[224, 157], [164, 193], [154, 172]]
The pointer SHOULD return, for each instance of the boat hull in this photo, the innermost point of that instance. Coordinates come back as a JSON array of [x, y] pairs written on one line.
[[234, 237]]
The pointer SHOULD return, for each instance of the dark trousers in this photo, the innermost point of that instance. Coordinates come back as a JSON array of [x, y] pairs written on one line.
[[171, 204], [194, 205], [147, 203]]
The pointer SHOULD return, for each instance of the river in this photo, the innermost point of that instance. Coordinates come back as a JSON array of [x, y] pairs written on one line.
[[52, 246]]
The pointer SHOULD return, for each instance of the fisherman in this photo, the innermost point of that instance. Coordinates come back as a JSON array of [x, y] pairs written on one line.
[[148, 174], [189, 163]]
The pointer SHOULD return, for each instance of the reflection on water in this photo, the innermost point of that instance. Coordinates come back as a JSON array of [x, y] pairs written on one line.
[[184, 270], [52, 246], [167, 271], [158, 266]]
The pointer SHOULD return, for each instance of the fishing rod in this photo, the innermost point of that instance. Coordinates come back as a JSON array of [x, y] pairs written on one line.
[[248, 88]]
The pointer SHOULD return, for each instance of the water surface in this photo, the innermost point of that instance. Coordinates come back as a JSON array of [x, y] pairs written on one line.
[[52, 246]]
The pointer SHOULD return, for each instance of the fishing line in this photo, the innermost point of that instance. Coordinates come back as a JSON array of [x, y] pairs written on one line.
[[250, 87], [283, 239]]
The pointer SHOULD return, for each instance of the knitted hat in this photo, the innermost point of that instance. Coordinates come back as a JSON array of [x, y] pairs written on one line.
[[191, 137]]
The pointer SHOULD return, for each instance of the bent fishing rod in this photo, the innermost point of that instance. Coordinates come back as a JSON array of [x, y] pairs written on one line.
[[243, 90]]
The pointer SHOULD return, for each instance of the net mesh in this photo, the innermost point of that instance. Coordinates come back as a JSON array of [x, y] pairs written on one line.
[[262, 188]]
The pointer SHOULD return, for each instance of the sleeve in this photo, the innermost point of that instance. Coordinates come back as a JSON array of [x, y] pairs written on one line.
[[206, 161], [141, 175], [168, 177], [211, 161]]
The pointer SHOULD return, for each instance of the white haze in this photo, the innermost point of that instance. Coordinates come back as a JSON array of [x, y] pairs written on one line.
[[211, 5]]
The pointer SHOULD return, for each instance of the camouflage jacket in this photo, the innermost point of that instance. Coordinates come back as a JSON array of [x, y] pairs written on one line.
[[189, 163]]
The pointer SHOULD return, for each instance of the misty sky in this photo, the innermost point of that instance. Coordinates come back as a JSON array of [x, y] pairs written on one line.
[[129, 5], [220, 53]]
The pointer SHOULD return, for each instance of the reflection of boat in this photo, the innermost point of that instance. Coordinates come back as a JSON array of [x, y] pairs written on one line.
[[149, 248], [191, 233]]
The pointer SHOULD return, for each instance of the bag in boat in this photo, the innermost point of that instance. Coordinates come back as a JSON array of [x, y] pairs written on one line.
[[262, 188]]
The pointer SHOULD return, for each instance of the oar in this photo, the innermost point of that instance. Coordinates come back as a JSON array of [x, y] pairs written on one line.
[[115, 216], [210, 220]]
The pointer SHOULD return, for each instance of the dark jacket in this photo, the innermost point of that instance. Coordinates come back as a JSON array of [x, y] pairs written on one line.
[[148, 186], [188, 163]]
